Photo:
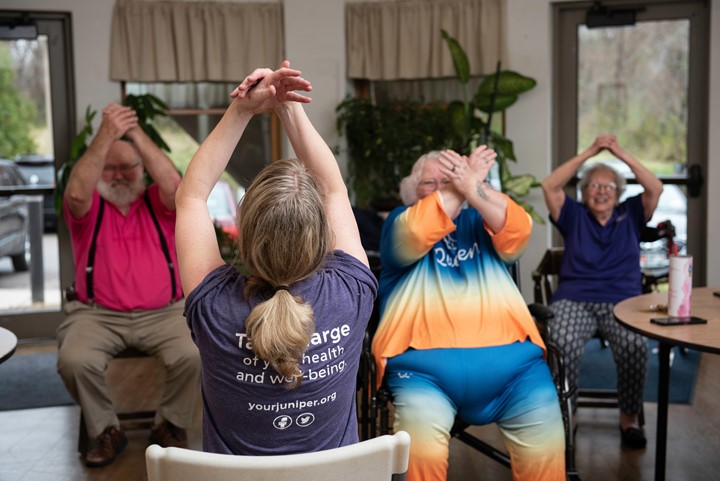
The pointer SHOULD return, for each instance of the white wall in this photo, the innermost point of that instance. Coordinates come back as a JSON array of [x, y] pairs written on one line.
[[315, 43], [528, 122]]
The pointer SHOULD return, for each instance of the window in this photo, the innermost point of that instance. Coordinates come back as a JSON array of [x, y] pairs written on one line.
[[194, 109]]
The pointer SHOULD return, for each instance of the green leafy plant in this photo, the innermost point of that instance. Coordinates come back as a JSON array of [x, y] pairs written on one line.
[[383, 143], [148, 107], [17, 113], [472, 121], [384, 140]]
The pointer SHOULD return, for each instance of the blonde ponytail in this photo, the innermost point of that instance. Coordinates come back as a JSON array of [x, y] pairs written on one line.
[[280, 330], [284, 238]]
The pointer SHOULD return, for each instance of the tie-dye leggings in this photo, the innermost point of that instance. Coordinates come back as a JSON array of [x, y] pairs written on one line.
[[510, 385]]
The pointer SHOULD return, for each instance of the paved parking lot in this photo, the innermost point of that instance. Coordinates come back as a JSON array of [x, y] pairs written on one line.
[[15, 292]]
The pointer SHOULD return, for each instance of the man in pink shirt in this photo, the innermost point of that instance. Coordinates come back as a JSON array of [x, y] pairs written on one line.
[[127, 288]]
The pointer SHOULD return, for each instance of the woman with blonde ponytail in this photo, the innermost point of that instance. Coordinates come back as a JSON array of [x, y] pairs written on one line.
[[280, 347]]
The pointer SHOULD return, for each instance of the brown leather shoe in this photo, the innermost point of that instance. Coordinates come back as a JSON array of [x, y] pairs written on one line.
[[106, 447], [166, 434]]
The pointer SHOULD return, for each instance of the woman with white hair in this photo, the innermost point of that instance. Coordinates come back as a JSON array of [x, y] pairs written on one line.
[[455, 336], [601, 267]]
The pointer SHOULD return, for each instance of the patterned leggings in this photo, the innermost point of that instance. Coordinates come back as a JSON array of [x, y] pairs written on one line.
[[573, 326], [509, 385]]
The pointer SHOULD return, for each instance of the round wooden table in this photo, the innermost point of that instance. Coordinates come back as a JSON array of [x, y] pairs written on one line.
[[635, 314], [8, 343]]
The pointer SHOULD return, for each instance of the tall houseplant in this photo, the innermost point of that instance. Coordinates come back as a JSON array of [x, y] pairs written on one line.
[[384, 140], [472, 121]]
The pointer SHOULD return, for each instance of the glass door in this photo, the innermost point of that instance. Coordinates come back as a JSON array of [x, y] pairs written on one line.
[[639, 71], [36, 94]]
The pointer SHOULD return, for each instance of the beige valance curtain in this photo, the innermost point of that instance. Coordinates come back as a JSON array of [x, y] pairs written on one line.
[[392, 40], [181, 41]]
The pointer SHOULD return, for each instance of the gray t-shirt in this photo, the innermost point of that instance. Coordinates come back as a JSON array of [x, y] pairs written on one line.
[[247, 406]]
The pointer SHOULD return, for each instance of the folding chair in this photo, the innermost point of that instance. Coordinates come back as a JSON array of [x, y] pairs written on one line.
[[380, 459]]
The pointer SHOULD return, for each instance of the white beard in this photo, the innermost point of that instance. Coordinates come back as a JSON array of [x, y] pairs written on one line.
[[121, 193]]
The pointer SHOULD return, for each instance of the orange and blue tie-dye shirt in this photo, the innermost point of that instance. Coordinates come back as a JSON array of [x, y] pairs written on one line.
[[446, 283]]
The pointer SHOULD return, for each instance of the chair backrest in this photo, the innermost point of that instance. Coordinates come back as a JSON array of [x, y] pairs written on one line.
[[545, 275], [377, 459]]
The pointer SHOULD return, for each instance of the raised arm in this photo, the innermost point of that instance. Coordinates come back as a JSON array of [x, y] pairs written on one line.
[[159, 166], [116, 122], [312, 150], [554, 183], [652, 186], [468, 175], [197, 247]]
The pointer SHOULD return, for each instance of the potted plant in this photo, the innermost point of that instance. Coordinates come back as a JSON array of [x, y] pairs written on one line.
[[472, 121], [384, 140]]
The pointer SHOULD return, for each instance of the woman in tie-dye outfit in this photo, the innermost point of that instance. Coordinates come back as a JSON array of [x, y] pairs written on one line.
[[455, 336]]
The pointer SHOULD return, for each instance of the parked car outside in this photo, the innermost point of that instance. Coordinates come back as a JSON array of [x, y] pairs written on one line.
[[39, 170], [14, 241], [223, 209]]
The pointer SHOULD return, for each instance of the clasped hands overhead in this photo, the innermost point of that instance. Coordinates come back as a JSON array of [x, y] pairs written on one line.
[[265, 89]]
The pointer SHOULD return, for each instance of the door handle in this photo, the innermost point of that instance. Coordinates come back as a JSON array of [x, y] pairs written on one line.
[[695, 180]]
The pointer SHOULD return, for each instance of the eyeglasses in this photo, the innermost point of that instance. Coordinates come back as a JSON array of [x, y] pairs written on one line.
[[611, 187], [432, 184], [123, 169]]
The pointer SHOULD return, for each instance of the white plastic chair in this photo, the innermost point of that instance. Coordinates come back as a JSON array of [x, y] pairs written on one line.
[[378, 459]]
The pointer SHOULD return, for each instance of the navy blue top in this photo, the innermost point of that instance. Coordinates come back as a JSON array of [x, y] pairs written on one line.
[[600, 263], [247, 406]]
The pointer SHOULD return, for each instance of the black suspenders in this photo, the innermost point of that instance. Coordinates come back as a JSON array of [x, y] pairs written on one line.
[[91, 254], [163, 243]]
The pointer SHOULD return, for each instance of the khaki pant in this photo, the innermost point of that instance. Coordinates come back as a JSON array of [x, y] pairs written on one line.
[[91, 336]]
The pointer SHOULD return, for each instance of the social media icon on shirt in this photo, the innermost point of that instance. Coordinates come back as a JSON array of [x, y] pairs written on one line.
[[282, 422], [305, 419]]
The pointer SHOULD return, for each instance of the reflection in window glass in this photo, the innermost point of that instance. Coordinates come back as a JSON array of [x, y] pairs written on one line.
[[633, 83]]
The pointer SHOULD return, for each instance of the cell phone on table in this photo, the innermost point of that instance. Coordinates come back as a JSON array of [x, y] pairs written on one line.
[[678, 321]]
